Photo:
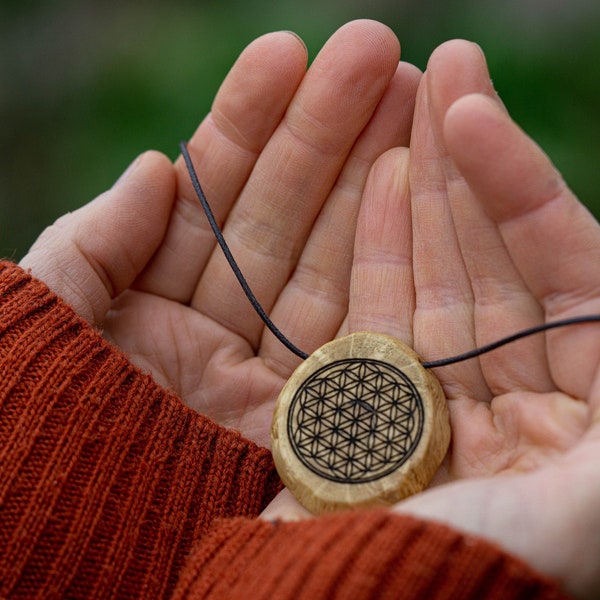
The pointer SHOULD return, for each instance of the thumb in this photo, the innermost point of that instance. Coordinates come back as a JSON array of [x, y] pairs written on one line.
[[90, 256], [284, 507]]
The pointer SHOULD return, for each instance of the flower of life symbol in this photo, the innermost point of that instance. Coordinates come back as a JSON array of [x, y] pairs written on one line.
[[355, 420]]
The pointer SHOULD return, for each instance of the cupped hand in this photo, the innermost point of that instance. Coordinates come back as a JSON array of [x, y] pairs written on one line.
[[283, 158], [468, 237], [500, 244]]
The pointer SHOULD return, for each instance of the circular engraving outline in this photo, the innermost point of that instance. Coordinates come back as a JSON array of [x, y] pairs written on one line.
[[357, 430]]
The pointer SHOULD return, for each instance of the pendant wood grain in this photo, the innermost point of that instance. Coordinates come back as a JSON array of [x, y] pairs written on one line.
[[359, 423]]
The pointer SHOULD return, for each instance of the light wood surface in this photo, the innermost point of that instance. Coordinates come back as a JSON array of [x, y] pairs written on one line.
[[359, 423]]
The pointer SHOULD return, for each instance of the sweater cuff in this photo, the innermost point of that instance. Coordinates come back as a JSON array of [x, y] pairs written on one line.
[[361, 555], [101, 470]]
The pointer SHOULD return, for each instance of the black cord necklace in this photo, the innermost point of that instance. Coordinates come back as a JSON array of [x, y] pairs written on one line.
[[362, 420]]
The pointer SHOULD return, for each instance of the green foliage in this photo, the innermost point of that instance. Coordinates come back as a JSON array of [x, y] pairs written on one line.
[[85, 87]]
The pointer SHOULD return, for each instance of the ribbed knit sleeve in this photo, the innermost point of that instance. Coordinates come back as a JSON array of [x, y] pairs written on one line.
[[362, 555], [105, 478]]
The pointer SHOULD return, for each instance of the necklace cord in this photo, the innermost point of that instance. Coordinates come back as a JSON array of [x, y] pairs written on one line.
[[442, 362], [229, 256]]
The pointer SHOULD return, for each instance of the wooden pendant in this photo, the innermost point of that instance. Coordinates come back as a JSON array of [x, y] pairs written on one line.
[[359, 423]]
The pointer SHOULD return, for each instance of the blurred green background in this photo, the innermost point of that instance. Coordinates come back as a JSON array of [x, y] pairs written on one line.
[[85, 86]]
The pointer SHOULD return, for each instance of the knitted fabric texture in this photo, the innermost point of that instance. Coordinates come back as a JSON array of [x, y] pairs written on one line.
[[111, 488], [105, 478], [362, 554]]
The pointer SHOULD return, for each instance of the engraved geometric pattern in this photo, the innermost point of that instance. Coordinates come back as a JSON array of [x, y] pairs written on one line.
[[355, 420]]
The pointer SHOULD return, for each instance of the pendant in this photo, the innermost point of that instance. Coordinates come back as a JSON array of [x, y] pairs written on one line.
[[359, 423]]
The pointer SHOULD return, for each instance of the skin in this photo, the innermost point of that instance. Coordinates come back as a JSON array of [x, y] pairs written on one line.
[[447, 230], [283, 158]]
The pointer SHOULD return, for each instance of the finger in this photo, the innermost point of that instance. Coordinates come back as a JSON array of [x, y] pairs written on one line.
[[297, 170], [552, 238], [314, 303], [502, 301], [456, 68], [443, 319], [245, 112], [90, 256], [382, 295]]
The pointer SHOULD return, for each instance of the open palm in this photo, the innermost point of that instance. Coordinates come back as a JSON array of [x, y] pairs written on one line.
[[486, 240], [283, 158], [466, 237]]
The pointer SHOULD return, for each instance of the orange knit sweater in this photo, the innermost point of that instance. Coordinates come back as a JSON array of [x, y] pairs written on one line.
[[111, 487]]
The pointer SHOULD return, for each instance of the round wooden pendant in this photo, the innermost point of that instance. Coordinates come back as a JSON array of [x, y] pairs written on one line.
[[359, 423]]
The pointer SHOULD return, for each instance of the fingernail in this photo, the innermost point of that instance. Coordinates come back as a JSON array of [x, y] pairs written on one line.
[[297, 37], [129, 171], [480, 50], [484, 59]]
